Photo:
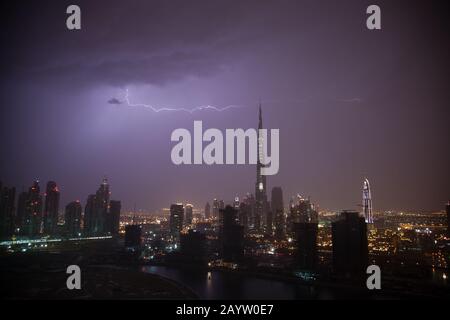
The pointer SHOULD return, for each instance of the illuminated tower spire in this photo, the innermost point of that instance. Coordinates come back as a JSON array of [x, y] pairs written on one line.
[[367, 202], [260, 186]]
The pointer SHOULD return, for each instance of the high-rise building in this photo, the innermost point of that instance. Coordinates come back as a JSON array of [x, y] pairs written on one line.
[[244, 214], [188, 212], [350, 247], [215, 212], [21, 215], [302, 210], [72, 219], [207, 211], [51, 208], [193, 247], [367, 201], [278, 212], [133, 236], [101, 207], [89, 220], [114, 217], [176, 219], [32, 211], [97, 219], [7, 198], [249, 201], [306, 243], [231, 235], [260, 185]]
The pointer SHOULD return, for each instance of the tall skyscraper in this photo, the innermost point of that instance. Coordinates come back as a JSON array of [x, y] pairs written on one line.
[[221, 205], [114, 217], [231, 235], [101, 206], [7, 198], [207, 211], [350, 247], [51, 208], [306, 242], [260, 185], [215, 212], [97, 219], [32, 211], [249, 201], [244, 214], [278, 212], [188, 213], [176, 219], [72, 219], [367, 202]]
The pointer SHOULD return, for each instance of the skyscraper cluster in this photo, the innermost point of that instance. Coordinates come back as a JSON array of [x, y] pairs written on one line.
[[300, 224], [37, 214], [101, 215]]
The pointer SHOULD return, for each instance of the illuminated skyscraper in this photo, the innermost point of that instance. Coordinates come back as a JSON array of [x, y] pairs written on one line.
[[31, 205], [260, 185], [101, 206], [51, 208], [236, 203], [176, 219], [97, 220], [215, 212], [367, 202], [207, 211], [302, 211], [188, 212]]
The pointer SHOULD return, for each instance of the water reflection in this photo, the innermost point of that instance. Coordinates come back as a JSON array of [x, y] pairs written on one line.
[[223, 285]]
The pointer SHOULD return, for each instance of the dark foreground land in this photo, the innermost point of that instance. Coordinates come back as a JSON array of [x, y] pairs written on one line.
[[106, 273]]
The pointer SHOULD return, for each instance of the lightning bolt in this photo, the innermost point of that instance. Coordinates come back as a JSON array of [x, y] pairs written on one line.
[[191, 111]]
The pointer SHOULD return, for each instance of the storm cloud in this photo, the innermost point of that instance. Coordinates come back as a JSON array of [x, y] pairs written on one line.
[[349, 102]]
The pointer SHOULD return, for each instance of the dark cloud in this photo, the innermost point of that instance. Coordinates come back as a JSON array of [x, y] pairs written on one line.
[[120, 43], [114, 101], [348, 101]]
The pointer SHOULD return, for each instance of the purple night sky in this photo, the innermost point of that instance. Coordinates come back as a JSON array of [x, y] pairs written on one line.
[[349, 102]]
